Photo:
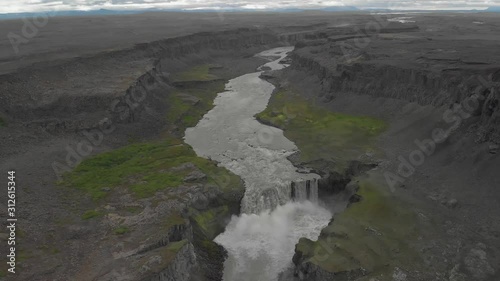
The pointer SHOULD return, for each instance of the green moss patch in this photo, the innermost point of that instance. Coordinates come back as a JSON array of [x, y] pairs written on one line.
[[133, 209], [144, 169], [172, 220], [197, 73], [210, 221], [169, 252], [2, 122], [320, 133], [167, 255], [91, 214], [188, 105], [121, 230]]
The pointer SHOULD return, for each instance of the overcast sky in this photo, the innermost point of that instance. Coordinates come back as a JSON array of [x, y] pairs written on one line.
[[9, 6]]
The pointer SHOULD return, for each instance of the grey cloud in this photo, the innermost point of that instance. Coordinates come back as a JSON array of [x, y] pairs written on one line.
[[31, 5]]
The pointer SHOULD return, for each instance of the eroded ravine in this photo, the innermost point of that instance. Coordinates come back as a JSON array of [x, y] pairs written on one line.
[[280, 204]]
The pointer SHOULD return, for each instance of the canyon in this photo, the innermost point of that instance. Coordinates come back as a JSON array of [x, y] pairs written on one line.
[[115, 186]]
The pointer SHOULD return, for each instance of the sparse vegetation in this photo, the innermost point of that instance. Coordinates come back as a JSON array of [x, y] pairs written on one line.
[[23, 255], [174, 219], [144, 169], [171, 250], [49, 249], [187, 106], [197, 73], [208, 221], [2, 122], [121, 230], [167, 254], [133, 209], [91, 214]]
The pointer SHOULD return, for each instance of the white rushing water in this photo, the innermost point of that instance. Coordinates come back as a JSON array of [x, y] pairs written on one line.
[[280, 204]]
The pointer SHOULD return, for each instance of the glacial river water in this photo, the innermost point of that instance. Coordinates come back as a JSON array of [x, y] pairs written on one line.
[[280, 204]]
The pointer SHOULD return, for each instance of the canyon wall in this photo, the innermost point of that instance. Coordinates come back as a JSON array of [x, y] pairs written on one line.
[[470, 86], [77, 93]]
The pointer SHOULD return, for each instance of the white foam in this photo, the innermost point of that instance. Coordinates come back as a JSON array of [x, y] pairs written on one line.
[[261, 246]]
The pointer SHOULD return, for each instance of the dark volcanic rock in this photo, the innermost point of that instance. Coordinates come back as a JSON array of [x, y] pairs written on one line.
[[493, 148], [306, 270], [195, 176], [287, 60]]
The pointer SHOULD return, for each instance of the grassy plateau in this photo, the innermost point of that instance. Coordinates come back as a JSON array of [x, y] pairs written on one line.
[[319, 133]]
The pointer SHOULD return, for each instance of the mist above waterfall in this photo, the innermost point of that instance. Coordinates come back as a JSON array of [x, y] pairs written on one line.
[[262, 245]]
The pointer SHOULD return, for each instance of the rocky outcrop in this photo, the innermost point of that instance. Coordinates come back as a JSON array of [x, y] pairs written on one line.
[[308, 271], [186, 250], [306, 268], [180, 268], [334, 182], [176, 233]]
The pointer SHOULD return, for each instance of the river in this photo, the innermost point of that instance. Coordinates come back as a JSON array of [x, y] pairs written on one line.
[[280, 204]]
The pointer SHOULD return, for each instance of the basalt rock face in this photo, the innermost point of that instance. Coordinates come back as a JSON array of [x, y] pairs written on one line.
[[308, 255], [407, 64], [174, 234], [180, 268], [183, 250], [308, 271], [72, 95], [333, 183], [195, 260]]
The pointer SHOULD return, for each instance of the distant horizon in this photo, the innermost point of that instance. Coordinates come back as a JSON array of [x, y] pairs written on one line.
[[232, 9], [54, 6]]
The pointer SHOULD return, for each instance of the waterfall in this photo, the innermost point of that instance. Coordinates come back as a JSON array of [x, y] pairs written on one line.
[[272, 197], [314, 191], [261, 198], [305, 190]]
